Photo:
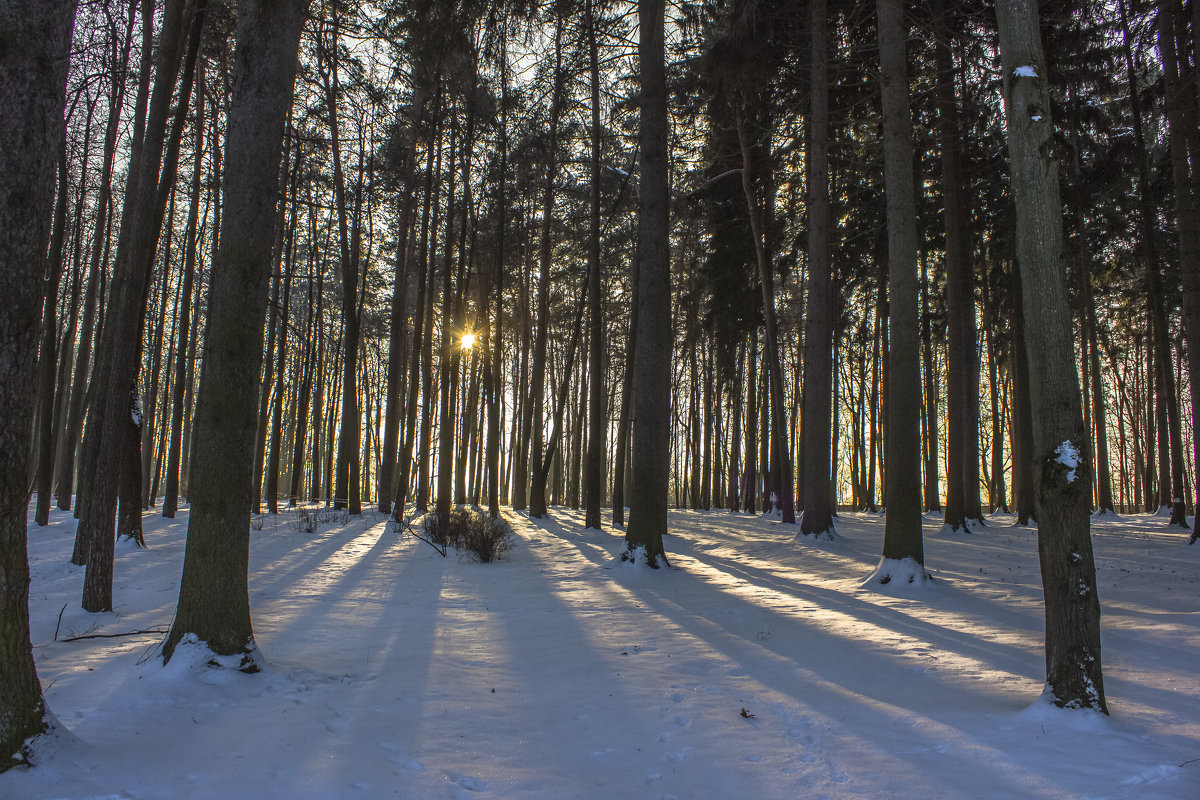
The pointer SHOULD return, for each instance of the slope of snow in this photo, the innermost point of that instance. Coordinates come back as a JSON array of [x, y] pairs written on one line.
[[756, 666]]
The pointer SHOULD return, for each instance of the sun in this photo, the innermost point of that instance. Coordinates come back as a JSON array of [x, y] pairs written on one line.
[[468, 341]]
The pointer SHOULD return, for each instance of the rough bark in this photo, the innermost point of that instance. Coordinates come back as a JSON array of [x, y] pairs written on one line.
[[817, 419], [151, 176], [1181, 119], [214, 592], [902, 530], [593, 467], [35, 37], [1062, 479], [652, 362], [962, 361]]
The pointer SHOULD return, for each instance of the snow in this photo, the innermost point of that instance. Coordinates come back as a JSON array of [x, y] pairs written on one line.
[[389, 671], [1027, 71], [1067, 454]]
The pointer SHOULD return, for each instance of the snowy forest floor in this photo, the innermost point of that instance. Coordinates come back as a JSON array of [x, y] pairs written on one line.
[[755, 667]]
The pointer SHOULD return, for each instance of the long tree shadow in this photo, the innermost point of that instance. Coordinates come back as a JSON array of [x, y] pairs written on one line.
[[814, 667]]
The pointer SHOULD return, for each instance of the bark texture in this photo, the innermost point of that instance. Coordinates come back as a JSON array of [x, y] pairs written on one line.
[[214, 595], [1060, 452], [35, 37], [902, 531], [652, 361]]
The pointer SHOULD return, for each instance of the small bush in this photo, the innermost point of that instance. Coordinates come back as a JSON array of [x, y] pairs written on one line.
[[472, 533]]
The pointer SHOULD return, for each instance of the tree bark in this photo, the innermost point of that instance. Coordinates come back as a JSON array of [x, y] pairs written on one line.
[[652, 362], [32, 96], [214, 592], [817, 419], [1181, 119], [593, 469], [962, 360], [1073, 670], [902, 530]]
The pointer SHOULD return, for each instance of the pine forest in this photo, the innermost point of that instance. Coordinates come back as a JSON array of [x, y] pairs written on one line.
[[795, 278]]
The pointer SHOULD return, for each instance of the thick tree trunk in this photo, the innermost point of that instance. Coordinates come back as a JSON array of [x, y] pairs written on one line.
[[214, 592], [32, 95], [1073, 670], [652, 405], [817, 419], [902, 531]]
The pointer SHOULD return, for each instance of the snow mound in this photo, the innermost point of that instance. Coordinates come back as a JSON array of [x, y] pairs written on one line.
[[193, 660], [897, 573]]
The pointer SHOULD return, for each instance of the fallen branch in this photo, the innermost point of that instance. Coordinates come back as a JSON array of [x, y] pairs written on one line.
[[113, 635], [56, 627], [407, 523]]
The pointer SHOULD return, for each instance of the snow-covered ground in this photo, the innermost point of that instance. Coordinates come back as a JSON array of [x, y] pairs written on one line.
[[756, 667]]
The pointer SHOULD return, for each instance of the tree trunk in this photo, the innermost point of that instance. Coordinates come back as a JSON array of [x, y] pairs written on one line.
[[32, 96], [902, 531], [962, 360], [214, 593], [817, 419], [652, 362], [77, 404], [1073, 671], [1181, 119], [593, 469]]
